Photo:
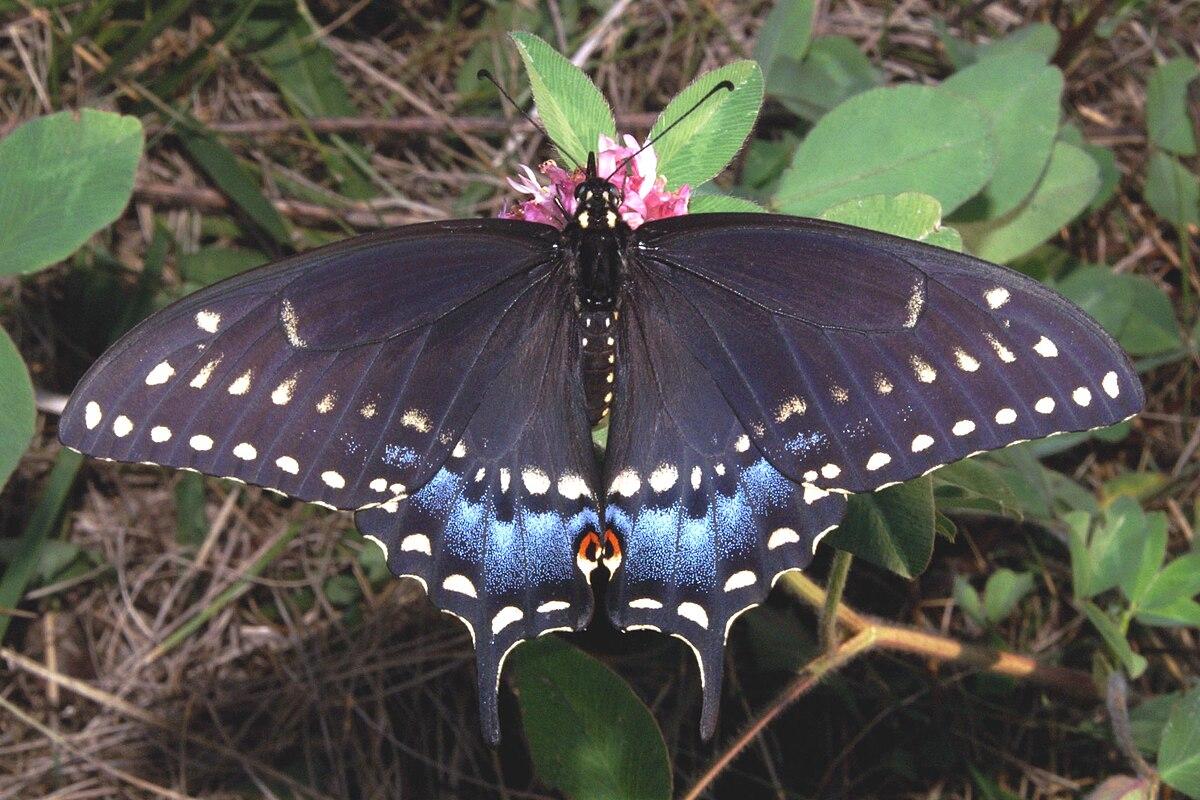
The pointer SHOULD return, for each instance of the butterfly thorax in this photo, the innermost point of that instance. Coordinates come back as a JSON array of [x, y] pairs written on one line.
[[597, 236]]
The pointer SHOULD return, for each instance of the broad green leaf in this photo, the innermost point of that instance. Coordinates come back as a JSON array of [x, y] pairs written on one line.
[[893, 528], [1167, 117], [223, 167], [911, 214], [588, 733], [1172, 191], [211, 264], [1003, 591], [715, 203], [1131, 308], [1178, 580], [1019, 97], [765, 161], [698, 148], [834, 70], [1134, 663], [1179, 752], [1147, 560], [1039, 38], [1069, 183], [1148, 718], [1182, 612], [968, 600], [64, 177], [949, 155], [572, 108], [975, 484], [785, 33], [17, 411]]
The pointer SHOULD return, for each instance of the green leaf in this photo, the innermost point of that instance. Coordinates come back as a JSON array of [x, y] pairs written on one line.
[[968, 600], [893, 528], [1132, 308], [1069, 183], [834, 70], [191, 523], [949, 155], [716, 203], [1003, 591], [224, 169], [975, 484], [17, 412], [1134, 663], [1181, 612], [304, 70], [1179, 580], [65, 177], [1179, 752], [911, 214], [1172, 191], [1039, 38], [572, 108], [698, 148], [1167, 117], [588, 733], [1147, 560], [1148, 718], [1019, 97], [211, 264], [785, 33]]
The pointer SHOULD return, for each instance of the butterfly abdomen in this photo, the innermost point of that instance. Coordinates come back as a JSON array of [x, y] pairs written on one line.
[[599, 353]]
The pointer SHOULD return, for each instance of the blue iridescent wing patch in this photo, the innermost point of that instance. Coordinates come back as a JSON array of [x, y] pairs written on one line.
[[494, 535], [706, 523]]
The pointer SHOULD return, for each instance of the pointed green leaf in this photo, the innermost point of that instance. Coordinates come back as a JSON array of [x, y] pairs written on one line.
[[785, 33], [1134, 663], [834, 70], [588, 733], [1167, 116], [1172, 191], [62, 178], [1148, 560], [1069, 183], [1019, 96], [1179, 753], [572, 108], [698, 148], [17, 412], [1179, 580], [1181, 612], [893, 528], [1003, 591], [949, 155], [968, 600]]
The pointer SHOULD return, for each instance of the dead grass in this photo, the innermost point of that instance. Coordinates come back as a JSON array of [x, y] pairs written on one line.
[[283, 693]]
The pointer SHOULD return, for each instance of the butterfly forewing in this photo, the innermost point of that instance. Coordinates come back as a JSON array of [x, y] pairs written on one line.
[[493, 536], [707, 524], [984, 356], [297, 378]]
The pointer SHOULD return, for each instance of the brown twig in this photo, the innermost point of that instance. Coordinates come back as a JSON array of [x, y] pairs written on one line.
[[872, 634]]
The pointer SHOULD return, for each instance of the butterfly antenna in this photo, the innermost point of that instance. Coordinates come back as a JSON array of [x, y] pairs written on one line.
[[485, 75], [726, 85]]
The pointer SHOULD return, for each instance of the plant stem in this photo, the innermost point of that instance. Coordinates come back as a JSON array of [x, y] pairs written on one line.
[[835, 586]]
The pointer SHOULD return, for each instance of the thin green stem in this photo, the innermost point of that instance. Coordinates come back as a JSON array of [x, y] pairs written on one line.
[[827, 628]]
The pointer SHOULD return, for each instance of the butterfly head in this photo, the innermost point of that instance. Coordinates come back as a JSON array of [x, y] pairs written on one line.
[[597, 202]]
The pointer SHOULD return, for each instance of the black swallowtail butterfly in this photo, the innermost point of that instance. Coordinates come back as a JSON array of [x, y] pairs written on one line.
[[441, 380]]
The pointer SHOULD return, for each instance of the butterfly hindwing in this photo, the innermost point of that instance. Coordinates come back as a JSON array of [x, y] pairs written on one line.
[[706, 523], [344, 375], [865, 388], [493, 535]]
